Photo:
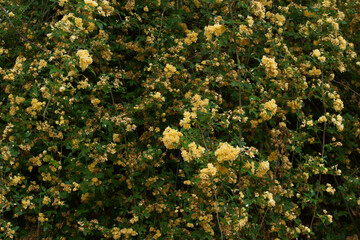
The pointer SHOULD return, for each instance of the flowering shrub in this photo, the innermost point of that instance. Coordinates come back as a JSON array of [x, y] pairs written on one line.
[[204, 119]]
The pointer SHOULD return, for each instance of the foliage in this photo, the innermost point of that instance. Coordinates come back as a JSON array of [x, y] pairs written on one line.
[[203, 119]]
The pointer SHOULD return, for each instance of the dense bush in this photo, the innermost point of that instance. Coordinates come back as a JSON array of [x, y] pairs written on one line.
[[185, 119]]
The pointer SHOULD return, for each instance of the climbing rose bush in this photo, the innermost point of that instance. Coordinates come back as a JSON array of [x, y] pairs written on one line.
[[204, 119]]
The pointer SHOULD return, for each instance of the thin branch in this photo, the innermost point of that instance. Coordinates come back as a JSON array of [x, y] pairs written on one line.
[[46, 107], [161, 22], [277, 156], [347, 87], [2, 195], [22, 36], [239, 73], [324, 132], [217, 215], [202, 135], [113, 101], [348, 208], [262, 222], [38, 221]]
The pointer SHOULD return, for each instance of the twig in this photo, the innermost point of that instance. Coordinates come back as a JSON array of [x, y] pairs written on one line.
[[348, 208], [239, 73], [22, 36], [113, 101], [317, 195], [347, 87], [2, 197], [38, 222], [46, 107], [240, 81], [217, 214], [161, 22], [202, 135], [262, 222], [277, 156], [324, 132]]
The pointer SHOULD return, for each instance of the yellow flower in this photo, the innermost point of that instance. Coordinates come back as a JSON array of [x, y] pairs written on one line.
[[270, 66], [262, 169], [226, 152], [62, 2], [217, 30], [316, 53], [91, 27], [95, 101], [270, 106], [42, 64], [322, 119], [46, 200], [210, 170], [85, 58], [169, 70], [338, 105], [191, 37], [330, 189], [194, 152], [91, 3], [116, 137], [79, 23], [280, 19], [42, 217], [171, 137]]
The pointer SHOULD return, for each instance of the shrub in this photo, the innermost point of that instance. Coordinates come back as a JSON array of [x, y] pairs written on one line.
[[204, 119]]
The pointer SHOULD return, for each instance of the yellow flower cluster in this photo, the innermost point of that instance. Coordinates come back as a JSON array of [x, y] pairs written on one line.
[[270, 197], [159, 97], [129, 6], [42, 218], [268, 106], [316, 53], [26, 202], [13, 101], [35, 107], [185, 122], [244, 219], [116, 232], [199, 103], [62, 2], [210, 170], [279, 19], [193, 153], [79, 23], [258, 9], [322, 119], [338, 105], [294, 104], [171, 137], [226, 152], [342, 43], [330, 189], [85, 58], [338, 122], [91, 3], [245, 30], [217, 30], [270, 66], [191, 37], [262, 169], [169, 70], [46, 200], [42, 64], [95, 101]]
